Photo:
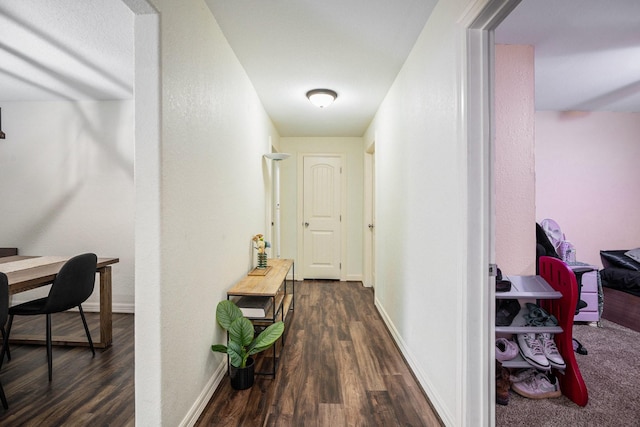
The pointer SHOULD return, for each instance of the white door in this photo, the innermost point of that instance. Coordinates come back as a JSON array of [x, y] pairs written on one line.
[[321, 217]]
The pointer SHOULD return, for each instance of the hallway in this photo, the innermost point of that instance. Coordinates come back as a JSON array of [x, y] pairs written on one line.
[[339, 367]]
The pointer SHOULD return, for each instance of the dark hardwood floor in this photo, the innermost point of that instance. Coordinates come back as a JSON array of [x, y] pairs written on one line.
[[85, 391], [339, 367]]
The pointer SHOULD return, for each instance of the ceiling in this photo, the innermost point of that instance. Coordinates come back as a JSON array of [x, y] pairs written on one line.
[[587, 53], [65, 49], [353, 47]]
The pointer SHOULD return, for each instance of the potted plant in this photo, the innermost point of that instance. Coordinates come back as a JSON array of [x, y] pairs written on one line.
[[242, 342]]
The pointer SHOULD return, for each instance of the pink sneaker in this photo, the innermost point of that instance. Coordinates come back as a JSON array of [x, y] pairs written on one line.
[[505, 349]]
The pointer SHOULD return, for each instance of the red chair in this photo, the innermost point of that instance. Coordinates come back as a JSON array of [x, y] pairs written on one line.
[[561, 278]]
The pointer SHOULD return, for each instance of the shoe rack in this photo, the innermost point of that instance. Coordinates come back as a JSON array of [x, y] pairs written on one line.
[[555, 289], [526, 288]]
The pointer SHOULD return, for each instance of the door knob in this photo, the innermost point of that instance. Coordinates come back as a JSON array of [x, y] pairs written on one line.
[[306, 224], [370, 226]]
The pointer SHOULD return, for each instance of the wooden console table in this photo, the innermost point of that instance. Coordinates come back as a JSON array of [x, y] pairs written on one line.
[[271, 285]]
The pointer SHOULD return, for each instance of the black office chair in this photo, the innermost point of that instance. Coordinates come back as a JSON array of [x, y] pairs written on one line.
[[4, 313], [71, 287]]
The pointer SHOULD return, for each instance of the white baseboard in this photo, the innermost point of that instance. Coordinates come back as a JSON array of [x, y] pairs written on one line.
[[93, 307], [349, 278], [426, 385], [205, 396]]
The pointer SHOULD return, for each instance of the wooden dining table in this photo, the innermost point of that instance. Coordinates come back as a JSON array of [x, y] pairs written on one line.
[[30, 272]]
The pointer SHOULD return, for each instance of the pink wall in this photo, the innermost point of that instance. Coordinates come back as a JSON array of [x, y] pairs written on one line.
[[514, 159], [588, 178]]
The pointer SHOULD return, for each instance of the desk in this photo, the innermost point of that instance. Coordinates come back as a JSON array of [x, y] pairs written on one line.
[[30, 272]]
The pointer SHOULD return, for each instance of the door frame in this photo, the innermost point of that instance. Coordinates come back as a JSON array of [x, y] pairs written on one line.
[[477, 122], [369, 216], [300, 213]]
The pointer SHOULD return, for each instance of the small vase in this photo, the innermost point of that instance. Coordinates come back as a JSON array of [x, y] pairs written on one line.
[[262, 260]]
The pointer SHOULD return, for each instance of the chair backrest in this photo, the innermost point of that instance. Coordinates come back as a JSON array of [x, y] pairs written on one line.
[[73, 284], [546, 246], [4, 299]]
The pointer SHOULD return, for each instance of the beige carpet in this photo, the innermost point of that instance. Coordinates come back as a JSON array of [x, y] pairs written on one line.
[[611, 372]]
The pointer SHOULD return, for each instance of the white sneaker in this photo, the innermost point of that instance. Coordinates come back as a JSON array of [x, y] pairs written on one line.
[[536, 385], [531, 350], [518, 375], [551, 351]]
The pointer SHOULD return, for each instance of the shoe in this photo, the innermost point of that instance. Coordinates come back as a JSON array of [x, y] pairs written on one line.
[[579, 348], [503, 384], [537, 316], [531, 351], [521, 374], [506, 311], [503, 285], [536, 385], [505, 349], [550, 350]]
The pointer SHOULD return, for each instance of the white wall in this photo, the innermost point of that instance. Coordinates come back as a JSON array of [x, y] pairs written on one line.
[[515, 195], [67, 184], [422, 218], [587, 178], [352, 212], [213, 177]]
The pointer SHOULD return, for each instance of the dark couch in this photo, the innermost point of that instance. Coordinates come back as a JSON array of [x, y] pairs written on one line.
[[620, 272]]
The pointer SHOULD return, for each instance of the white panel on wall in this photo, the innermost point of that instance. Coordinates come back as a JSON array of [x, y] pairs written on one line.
[[514, 159]]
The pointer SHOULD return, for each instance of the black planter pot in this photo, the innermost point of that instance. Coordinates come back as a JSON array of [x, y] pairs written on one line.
[[242, 378]]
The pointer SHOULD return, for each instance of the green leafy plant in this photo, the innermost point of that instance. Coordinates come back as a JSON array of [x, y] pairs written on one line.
[[242, 342]]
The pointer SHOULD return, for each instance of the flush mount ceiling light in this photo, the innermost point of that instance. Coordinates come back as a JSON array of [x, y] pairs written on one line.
[[322, 97]]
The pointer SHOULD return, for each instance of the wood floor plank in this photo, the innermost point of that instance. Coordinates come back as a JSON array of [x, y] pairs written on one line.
[[367, 362], [331, 415], [339, 367], [327, 379], [410, 410], [383, 413], [355, 394]]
